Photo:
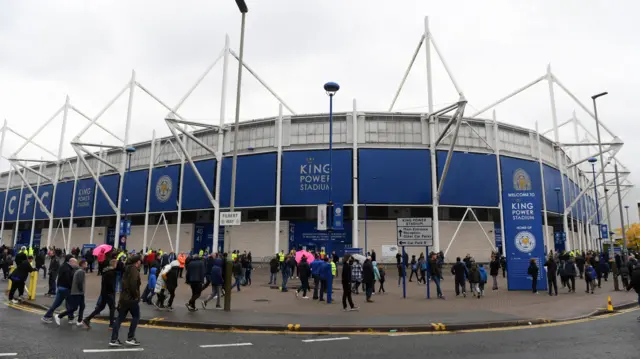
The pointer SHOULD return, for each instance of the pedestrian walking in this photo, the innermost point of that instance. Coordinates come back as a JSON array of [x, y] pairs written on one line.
[[635, 283], [274, 265], [195, 278], [533, 272], [494, 270], [217, 281], [129, 303], [460, 274], [382, 273], [436, 274], [590, 276], [571, 271], [316, 265], [237, 273], [149, 290], [75, 301], [368, 278], [65, 279], [18, 278], [552, 280], [474, 279], [54, 267], [346, 284], [356, 275], [483, 278], [107, 295], [304, 272]]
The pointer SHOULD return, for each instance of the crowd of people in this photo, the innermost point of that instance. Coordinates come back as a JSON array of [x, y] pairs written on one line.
[[121, 277]]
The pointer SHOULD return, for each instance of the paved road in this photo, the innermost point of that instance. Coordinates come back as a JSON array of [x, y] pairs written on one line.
[[25, 335]]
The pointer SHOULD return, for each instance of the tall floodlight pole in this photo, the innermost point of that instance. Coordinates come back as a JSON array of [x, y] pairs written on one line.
[[593, 161], [242, 6], [602, 165], [624, 236], [331, 88]]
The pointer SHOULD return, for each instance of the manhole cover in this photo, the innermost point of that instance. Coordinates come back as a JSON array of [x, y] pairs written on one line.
[[261, 300]]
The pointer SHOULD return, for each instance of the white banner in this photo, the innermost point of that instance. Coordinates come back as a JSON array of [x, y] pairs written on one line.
[[322, 217], [389, 251]]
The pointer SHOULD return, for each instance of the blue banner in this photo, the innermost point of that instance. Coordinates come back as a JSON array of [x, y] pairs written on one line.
[[2, 196], [164, 189], [306, 177], [62, 207], [84, 198], [24, 237], [394, 176], [13, 203], [551, 182], [559, 240], [110, 184], [27, 204], [111, 236], [522, 211], [306, 235], [134, 191], [604, 231], [472, 179], [498, 237], [338, 217], [203, 238], [193, 196], [125, 227], [44, 192], [255, 180]]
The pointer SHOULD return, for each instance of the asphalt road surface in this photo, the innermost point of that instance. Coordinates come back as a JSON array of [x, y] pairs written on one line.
[[616, 336]]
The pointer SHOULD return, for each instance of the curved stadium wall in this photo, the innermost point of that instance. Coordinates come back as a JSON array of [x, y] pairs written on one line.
[[387, 173]]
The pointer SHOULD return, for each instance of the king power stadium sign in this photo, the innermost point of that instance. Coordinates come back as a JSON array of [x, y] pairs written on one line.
[[314, 176]]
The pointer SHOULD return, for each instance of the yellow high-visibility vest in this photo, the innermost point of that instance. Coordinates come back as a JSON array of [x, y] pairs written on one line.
[[281, 256], [333, 268]]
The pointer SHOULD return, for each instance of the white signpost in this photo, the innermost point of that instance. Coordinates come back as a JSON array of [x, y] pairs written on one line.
[[414, 232], [230, 218]]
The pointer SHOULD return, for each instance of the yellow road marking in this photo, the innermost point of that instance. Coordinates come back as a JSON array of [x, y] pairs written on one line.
[[297, 333]]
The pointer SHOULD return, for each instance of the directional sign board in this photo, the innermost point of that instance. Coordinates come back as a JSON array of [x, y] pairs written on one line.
[[414, 232], [230, 218]]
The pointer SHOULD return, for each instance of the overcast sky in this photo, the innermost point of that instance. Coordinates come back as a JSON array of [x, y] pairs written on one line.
[[87, 49]]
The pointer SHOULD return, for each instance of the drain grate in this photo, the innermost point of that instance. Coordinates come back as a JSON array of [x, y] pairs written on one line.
[[261, 300]]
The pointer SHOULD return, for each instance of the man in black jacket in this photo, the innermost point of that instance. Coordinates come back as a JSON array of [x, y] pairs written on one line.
[[460, 272], [368, 278], [304, 272], [552, 270], [635, 282], [107, 294], [54, 267], [195, 278], [129, 302], [65, 278], [346, 284], [18, 279]]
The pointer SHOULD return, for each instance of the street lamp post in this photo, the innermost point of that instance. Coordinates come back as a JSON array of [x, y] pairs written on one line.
[[557, 190], [593, 161], [602, 164], [624, 237], [242, 6], [628, 223], [331, 88]]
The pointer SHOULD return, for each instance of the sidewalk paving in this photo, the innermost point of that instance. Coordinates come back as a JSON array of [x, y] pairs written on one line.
[[259, 306]]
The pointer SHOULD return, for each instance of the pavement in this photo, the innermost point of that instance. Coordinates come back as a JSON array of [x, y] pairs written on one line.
[[261, 307], [609, 336]]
